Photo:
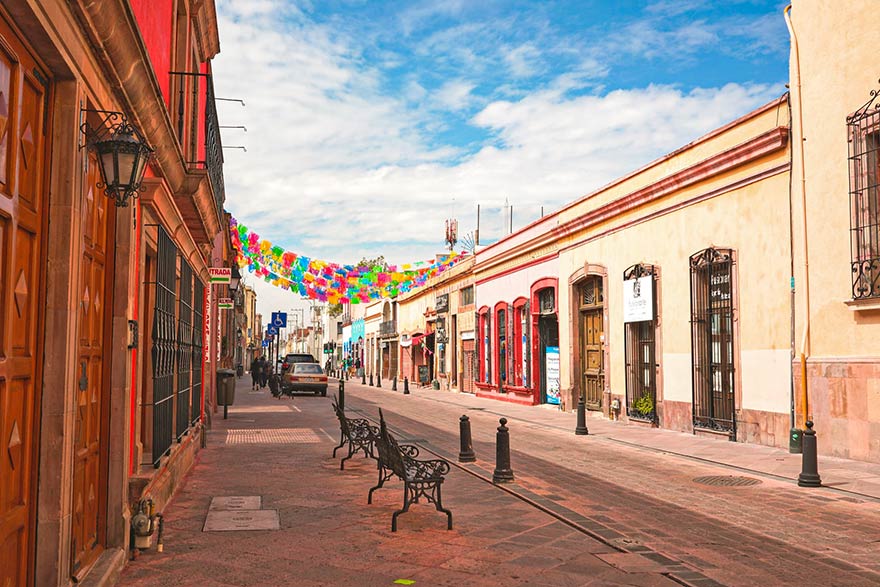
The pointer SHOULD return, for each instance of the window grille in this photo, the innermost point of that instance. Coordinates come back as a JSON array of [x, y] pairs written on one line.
[[184, 348], [164, 346], [546, 300], [501, 327], [864, 198], [712, 344], [641, 373]]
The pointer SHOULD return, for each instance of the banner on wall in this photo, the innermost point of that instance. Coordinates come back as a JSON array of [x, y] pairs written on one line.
[[638, 299], [551, 371]]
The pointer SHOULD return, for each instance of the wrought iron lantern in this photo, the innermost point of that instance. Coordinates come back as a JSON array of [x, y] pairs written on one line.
[[234, 279], [122, 152]]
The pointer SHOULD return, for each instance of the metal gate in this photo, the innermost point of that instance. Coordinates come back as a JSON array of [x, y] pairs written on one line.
[[641, 379], [184, 348], [712, 344], [198, 328], [164, 346]]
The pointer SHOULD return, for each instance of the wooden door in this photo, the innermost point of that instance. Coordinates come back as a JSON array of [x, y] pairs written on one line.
[[89, 495], [22, 208], [468, 365], [591, 335], [594, 379]]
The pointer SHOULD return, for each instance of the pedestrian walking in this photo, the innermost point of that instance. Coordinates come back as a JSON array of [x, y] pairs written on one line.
[[255, 374]]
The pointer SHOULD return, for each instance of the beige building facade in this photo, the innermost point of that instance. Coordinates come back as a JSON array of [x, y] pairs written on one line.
[[836, 219]]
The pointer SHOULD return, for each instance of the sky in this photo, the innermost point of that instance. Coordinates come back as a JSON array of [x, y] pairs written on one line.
[[371, 122]]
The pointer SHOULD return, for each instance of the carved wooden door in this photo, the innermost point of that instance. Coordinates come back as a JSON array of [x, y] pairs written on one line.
[[592, 341], [89, 431], [22, 207]]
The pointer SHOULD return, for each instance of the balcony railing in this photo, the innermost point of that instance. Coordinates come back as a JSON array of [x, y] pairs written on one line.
[[214, 149], [388, 328], [187, 104]]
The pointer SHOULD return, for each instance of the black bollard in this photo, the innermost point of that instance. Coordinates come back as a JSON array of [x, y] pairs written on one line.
[[503, 473], [581, 428], [394, 383], [466, 455], [363, 377], [371, 380], [405, 386], [809, 476], [341, 394], [379, 379]]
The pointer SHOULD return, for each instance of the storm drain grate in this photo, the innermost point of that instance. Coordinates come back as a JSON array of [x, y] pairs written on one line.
[[727, 481], [272, 436]]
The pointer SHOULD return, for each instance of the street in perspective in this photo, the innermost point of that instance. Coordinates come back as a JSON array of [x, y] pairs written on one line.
[[557, 293]]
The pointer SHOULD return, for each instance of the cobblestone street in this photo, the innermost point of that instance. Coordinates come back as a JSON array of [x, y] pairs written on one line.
[[582, 511]]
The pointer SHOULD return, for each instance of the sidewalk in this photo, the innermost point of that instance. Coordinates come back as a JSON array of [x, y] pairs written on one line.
[[272, 458], [842, 475]]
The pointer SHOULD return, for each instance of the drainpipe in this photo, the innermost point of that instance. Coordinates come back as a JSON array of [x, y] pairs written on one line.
[[805, 340]]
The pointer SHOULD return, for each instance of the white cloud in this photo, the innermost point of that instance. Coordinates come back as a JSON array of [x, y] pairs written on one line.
[[455, 95]]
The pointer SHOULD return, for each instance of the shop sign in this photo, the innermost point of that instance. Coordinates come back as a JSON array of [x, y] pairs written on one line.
[[442, 303], [551, 370], [220, 274], [638, 299], [224, 303], [206, 345]]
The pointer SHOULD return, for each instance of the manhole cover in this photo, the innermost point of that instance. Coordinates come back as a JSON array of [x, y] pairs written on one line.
[[727, 481]]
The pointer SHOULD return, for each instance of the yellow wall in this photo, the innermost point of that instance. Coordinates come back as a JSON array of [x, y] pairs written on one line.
[[838, 68]]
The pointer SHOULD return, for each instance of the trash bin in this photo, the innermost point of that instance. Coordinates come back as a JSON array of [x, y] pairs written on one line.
[[796, 441], [435, 384], [225, 387], [239, 371]]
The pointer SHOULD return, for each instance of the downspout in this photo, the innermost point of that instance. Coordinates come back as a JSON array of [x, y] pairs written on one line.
[[805, 340]]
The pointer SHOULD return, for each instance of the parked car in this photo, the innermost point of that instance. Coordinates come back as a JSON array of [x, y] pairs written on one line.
[[292, 358], [305, 377]]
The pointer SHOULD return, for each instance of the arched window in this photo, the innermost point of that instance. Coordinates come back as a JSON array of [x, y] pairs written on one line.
[[501, 342]]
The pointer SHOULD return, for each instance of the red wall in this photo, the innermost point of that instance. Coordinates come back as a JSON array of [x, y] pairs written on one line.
[[155, 19]]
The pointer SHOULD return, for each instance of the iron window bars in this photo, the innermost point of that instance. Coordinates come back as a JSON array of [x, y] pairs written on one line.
[[639, 342], [164, 346], [712, 344], [863, 128]]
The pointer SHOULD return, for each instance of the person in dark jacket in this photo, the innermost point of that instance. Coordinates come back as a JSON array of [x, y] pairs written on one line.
[[255, 372]]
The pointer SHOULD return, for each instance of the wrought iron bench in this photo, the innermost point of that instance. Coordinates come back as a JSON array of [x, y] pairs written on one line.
[[421, 478], [357, 433]]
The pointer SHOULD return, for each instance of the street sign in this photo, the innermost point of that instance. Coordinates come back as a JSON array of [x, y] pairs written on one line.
[[224, 303], [265, 343], [220, 274], [279, 319], [272, 329]]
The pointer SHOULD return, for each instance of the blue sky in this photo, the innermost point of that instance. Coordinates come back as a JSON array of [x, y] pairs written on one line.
[[371, 122]]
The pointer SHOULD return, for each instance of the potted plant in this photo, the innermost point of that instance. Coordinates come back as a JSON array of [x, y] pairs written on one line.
[[644, 405]]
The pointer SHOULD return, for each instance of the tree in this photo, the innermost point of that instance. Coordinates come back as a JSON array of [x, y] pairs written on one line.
[[380, 261]]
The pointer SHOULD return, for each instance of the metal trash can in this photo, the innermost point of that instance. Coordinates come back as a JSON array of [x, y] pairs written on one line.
[[239, 371], [225, 387], [796, 441]]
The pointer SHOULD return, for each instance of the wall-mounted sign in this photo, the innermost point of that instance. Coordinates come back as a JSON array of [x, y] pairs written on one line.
[[224, 303], [207, 332], [441, 304], [551, 374], [638, 299], [220, 274]]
